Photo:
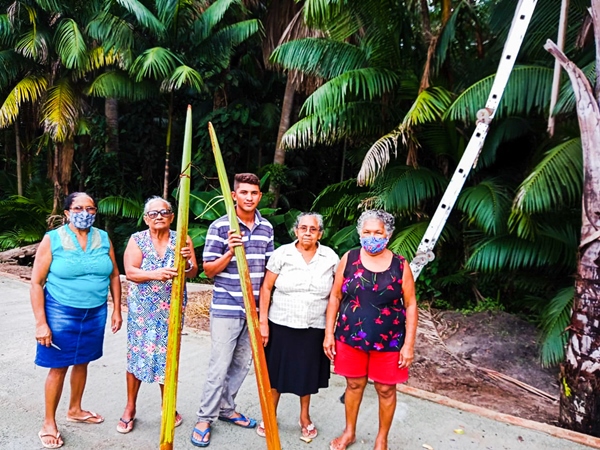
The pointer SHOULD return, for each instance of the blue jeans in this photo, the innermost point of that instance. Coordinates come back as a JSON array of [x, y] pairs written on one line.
[[230, 359]]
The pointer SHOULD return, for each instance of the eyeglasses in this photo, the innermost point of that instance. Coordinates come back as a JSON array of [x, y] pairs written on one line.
[[88, 209], [162, 212], [304, 229]]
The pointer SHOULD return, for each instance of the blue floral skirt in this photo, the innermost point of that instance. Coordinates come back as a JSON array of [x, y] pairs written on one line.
[[79, 332]]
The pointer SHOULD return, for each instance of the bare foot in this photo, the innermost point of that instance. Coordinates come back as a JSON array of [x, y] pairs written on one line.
[[342, 442]]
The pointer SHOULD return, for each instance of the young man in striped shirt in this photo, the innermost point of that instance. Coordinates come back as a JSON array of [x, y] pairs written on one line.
[[230, 350]]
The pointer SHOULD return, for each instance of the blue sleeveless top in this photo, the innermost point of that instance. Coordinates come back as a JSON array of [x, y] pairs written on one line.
[[76, 278]]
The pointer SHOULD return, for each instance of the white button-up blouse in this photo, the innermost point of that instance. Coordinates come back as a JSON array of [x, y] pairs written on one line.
[[301, 289]]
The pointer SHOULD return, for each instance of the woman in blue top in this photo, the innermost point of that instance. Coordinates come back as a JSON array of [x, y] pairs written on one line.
[[73, 271]]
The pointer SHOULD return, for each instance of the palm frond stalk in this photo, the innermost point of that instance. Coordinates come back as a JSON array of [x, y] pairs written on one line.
[[167, 424], [258, 354]]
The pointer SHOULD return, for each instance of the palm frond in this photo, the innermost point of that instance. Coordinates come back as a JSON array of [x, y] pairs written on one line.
[[29, 89], [112, 31], [328, 127], [486, 205], [99, 57], [555, 182], [429, 106], [507, 252], [566, 97], [219, 48], [406, 241], [11, 64], [210, 18], [359, 84], [116, 84], [527, 90], [447, 37], [33, 44], [554, 323], [70, 44], [318, 57], [183, 75], [157, 63], [114, 205], [6, 29], [143, 16], [61, 110], [403, 189]]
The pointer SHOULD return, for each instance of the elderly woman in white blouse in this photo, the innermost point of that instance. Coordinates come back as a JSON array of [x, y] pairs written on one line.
[[292, 324]]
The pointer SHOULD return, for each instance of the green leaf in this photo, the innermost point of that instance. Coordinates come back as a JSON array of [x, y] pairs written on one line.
[[157, 63], [406, 241], [527, 91], [183, 75], [486, 205], [70, 44], [29, 89], [555, 182], [554, 322], [60, 112]]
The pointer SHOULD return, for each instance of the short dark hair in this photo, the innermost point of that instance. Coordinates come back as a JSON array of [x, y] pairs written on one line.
[[249, 178], [71, 198]]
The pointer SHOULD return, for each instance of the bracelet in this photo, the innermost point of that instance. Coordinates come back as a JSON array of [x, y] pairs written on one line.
[[191, 266]]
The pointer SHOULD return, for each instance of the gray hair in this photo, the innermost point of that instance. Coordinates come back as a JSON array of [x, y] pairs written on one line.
[[317, 216], [377, 214], [154, 198]]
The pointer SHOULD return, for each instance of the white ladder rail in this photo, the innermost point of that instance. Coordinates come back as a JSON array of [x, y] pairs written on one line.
[[518, 28]]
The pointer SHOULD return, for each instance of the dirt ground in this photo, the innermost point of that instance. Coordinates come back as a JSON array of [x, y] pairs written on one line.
[[451, 352]]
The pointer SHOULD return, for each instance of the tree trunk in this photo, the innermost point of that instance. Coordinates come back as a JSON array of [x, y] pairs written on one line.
[[19, 159], [284, 125], [111, 112], [580, 372]]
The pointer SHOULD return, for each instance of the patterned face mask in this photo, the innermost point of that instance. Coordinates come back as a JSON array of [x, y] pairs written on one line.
[[373, 244], [82, 220]]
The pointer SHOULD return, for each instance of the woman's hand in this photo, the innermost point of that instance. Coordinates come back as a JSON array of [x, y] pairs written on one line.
[[164, 274], [264, 332], [329, 346], [43, 334], [186, 252], [116, 321], [407, 355]]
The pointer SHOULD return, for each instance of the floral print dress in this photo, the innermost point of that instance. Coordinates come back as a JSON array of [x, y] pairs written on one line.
[[149, 304], [372, 315]]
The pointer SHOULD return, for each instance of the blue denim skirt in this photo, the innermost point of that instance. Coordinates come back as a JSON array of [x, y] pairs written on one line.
[[79, 332]]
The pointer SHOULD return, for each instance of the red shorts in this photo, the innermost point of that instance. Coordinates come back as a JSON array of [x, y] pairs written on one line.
[[381, 367]]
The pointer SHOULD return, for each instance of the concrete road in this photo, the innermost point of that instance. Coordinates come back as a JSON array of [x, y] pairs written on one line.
[[417, 422]]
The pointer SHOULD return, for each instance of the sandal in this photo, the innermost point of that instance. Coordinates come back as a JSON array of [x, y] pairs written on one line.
[[309, 431], [202, 442], [91, 417], [42, 435], [178, 419], [127, 427], [236, 421], [260, 429]]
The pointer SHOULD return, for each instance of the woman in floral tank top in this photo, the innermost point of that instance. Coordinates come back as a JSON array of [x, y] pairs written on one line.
[[371, 324]]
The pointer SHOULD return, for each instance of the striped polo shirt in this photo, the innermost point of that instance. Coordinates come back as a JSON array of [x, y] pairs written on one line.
[[227, 298]]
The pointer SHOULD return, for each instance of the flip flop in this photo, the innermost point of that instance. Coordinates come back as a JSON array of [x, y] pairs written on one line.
[[92, 418], [201, 442], [57, 437], [260, 429], [178, 419], [236, 421], [333, 445], [128, 425], [309, 431]]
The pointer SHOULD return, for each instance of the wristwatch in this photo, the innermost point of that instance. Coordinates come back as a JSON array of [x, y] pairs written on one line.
[[191, 265]]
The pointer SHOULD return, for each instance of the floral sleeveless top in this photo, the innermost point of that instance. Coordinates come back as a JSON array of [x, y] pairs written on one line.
[[372, 315]]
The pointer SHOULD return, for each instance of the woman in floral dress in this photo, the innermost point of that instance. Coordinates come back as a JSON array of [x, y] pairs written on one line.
[[149, 265], [371, 324]]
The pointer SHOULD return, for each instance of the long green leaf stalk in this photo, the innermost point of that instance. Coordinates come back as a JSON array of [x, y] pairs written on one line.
[[167, 424], [258, 354]]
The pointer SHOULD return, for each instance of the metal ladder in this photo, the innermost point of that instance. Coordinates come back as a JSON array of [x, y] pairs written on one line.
[[513, 43]]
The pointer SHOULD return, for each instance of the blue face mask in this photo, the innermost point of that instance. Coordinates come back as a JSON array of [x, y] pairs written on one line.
[[82, 220], [373, 244]]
